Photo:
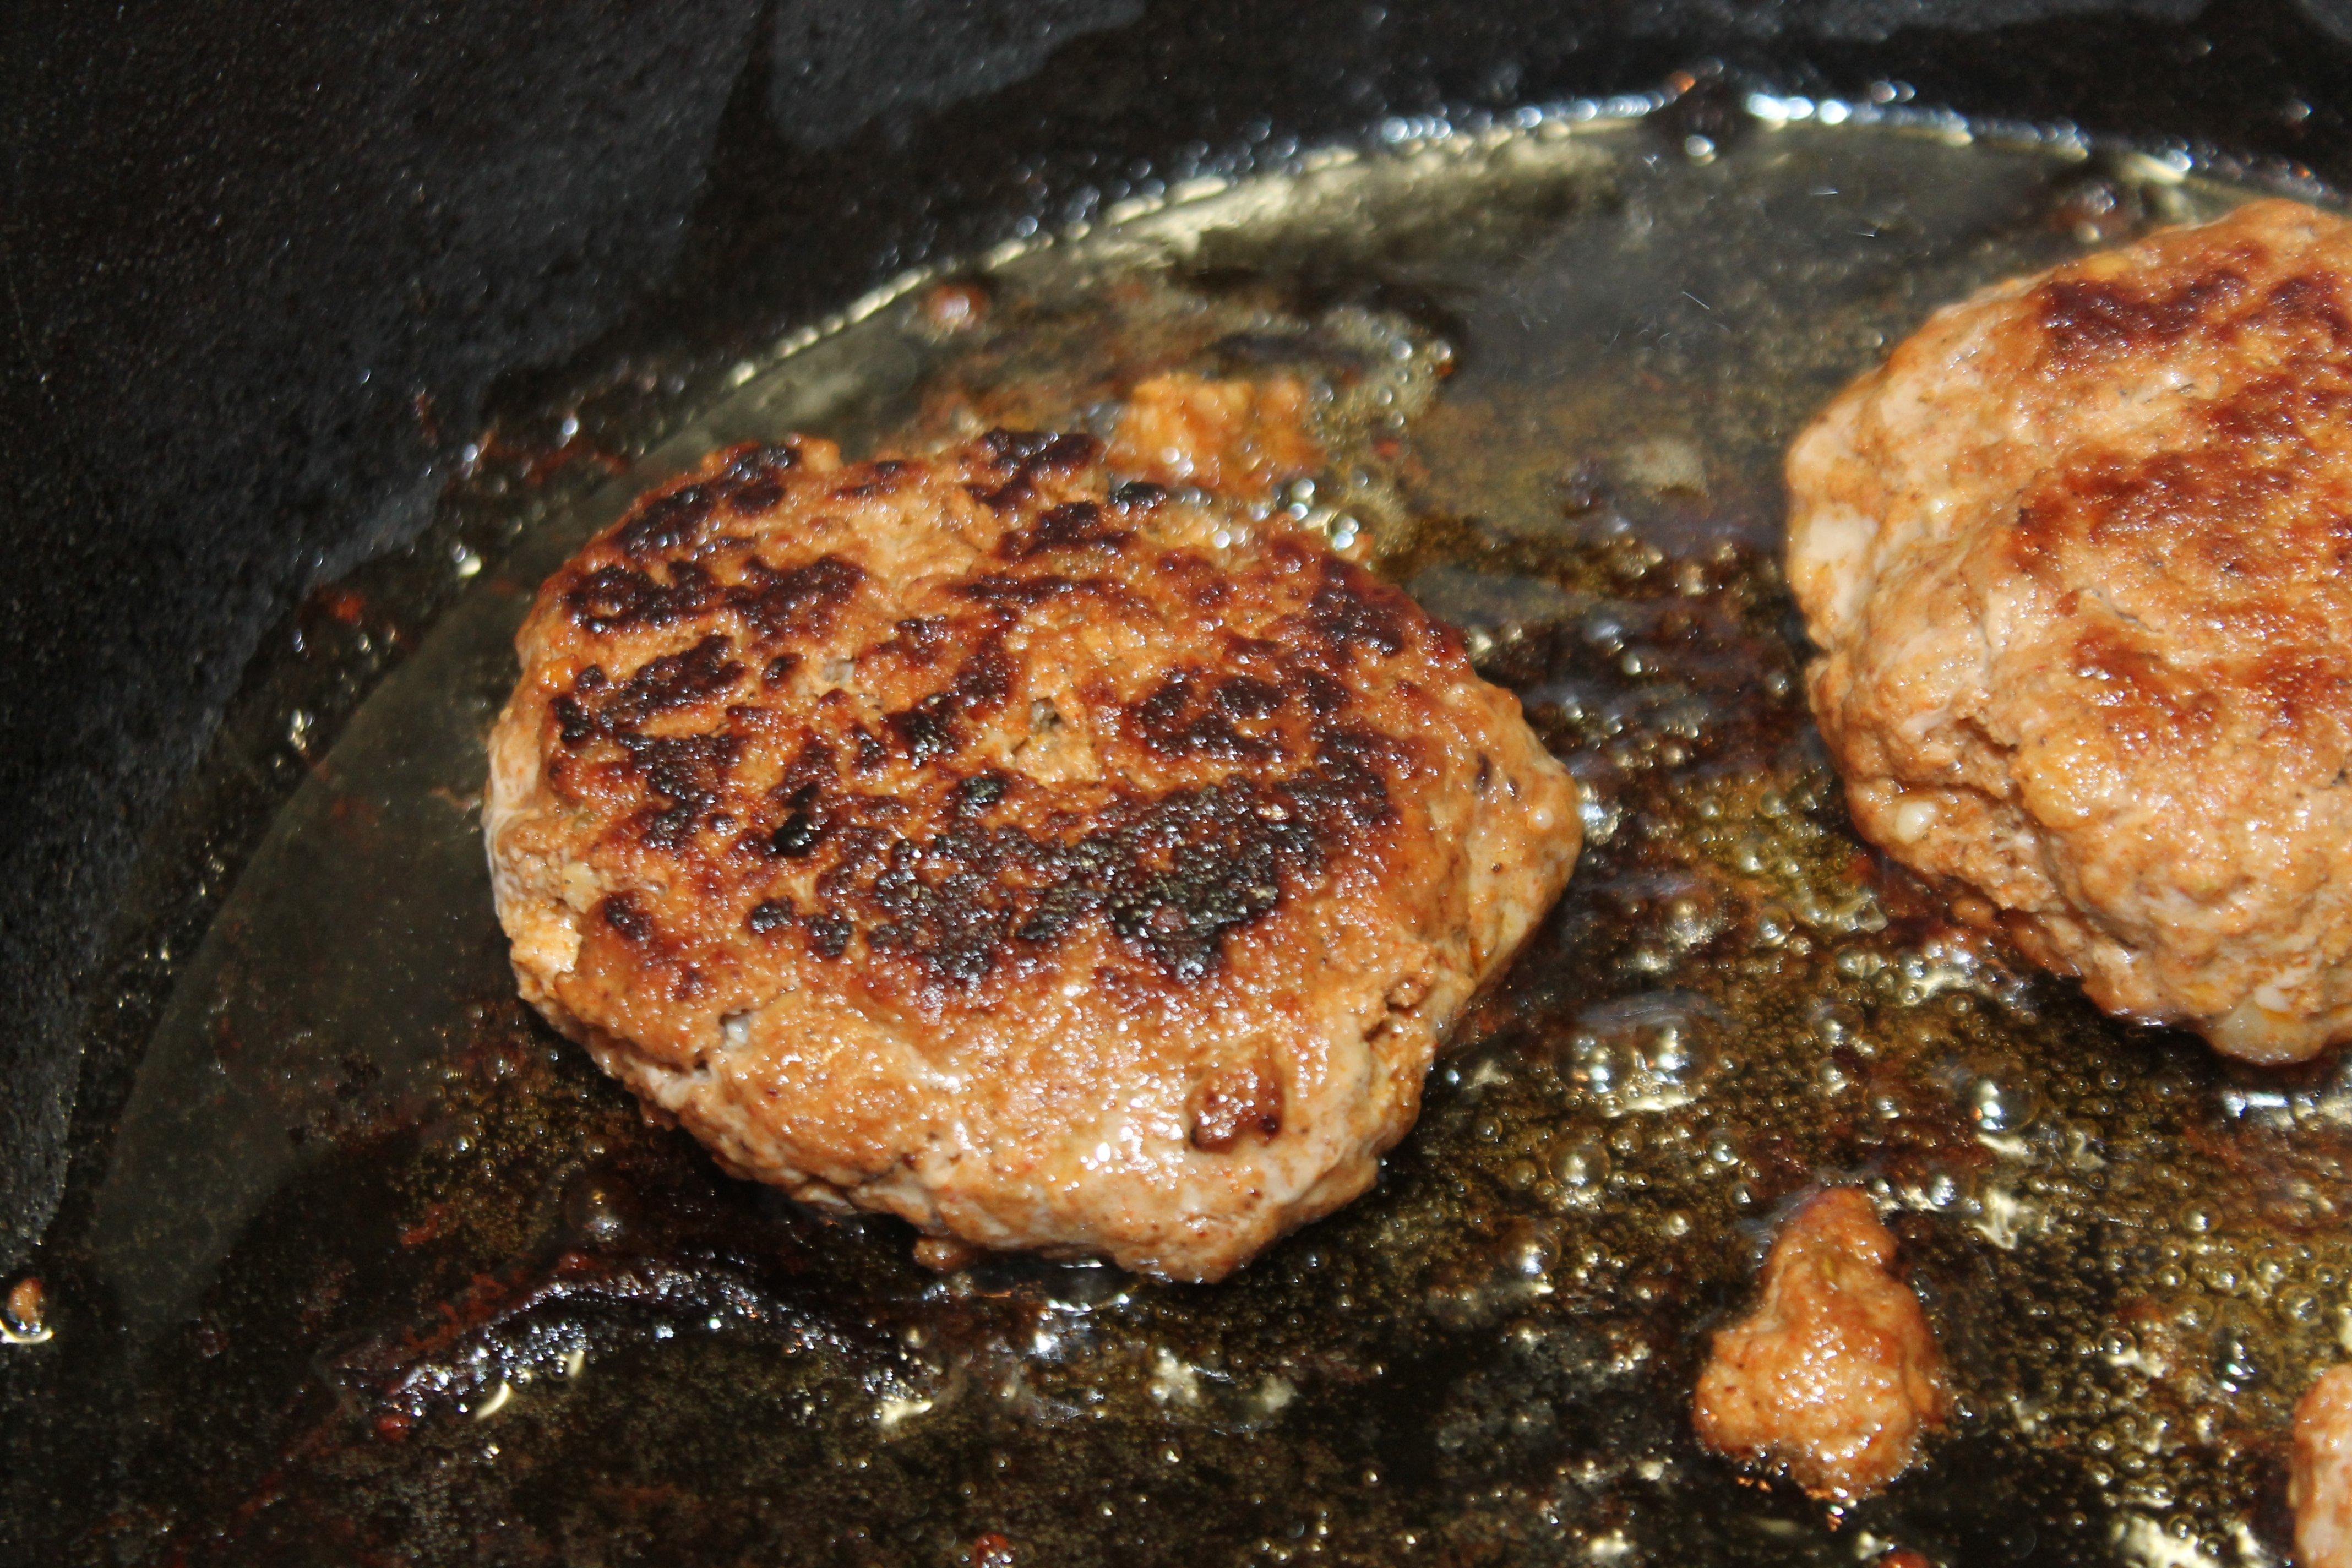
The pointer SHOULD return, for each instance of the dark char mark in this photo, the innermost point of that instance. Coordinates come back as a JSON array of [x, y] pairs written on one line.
[[676, 519], [1004, 592], [800, 603], [798, 832], [673, 680], [1073, 525], [1352, 609], [1020, 456], [595, 708], [1191, 714], [688, 772], [880, 479], [2089, 321], [1173, 876], [935, 726], [629, 922], [617, 598]]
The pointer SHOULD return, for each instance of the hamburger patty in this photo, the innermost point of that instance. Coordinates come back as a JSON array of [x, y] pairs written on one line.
[[1056, 863], [2079, 562]]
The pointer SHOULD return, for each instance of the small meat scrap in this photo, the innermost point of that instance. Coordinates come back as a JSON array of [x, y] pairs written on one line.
[[1239, 438], [2320, 1484], [1835, 1373]]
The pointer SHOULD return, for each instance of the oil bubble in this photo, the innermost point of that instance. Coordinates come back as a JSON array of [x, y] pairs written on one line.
[[1998, 1106], [1644, 1054], [1583, 1168]]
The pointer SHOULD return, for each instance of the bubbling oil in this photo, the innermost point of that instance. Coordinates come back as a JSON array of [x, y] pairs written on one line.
[[1556, 367]]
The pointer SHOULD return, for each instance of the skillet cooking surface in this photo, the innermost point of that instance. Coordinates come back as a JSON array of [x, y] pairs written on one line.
[[399, 1276]]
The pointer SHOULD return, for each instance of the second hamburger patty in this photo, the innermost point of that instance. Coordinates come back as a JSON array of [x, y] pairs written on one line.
[[1054, 864], [2077, 560]]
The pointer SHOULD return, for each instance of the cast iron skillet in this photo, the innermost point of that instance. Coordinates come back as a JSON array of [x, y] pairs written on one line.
[[270, 267]]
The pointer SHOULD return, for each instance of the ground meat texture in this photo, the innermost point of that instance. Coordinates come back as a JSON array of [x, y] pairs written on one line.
[[1834, 1374], [1242, 438], [1057, 862], [2076, 561], [2320, 1484]]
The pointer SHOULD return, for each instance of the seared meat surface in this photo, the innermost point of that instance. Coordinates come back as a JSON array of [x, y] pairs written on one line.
[[1057, 863], [2320, 1479], [2079, 562], [1241, 437], [1834, 1374]]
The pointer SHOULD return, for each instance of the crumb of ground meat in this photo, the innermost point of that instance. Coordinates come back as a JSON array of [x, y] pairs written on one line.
[[1237, 437], [2320, 1486], [1835, 1373]]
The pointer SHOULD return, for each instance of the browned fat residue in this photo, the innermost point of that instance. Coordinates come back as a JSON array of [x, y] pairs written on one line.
[[1216, 433], [28, 1305], [954, 304], [1235, 1101]]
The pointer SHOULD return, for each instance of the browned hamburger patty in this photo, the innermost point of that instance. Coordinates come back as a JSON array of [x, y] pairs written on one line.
[[1056, 865], [2079, 561]]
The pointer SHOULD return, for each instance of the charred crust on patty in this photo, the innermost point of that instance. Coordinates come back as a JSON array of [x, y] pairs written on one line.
[[620, 911], [1013, 460], [1171, 873], [1352, 609], [1173, 876], [971, 792], [2088, 319], [747, 480], [1073, 525]]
